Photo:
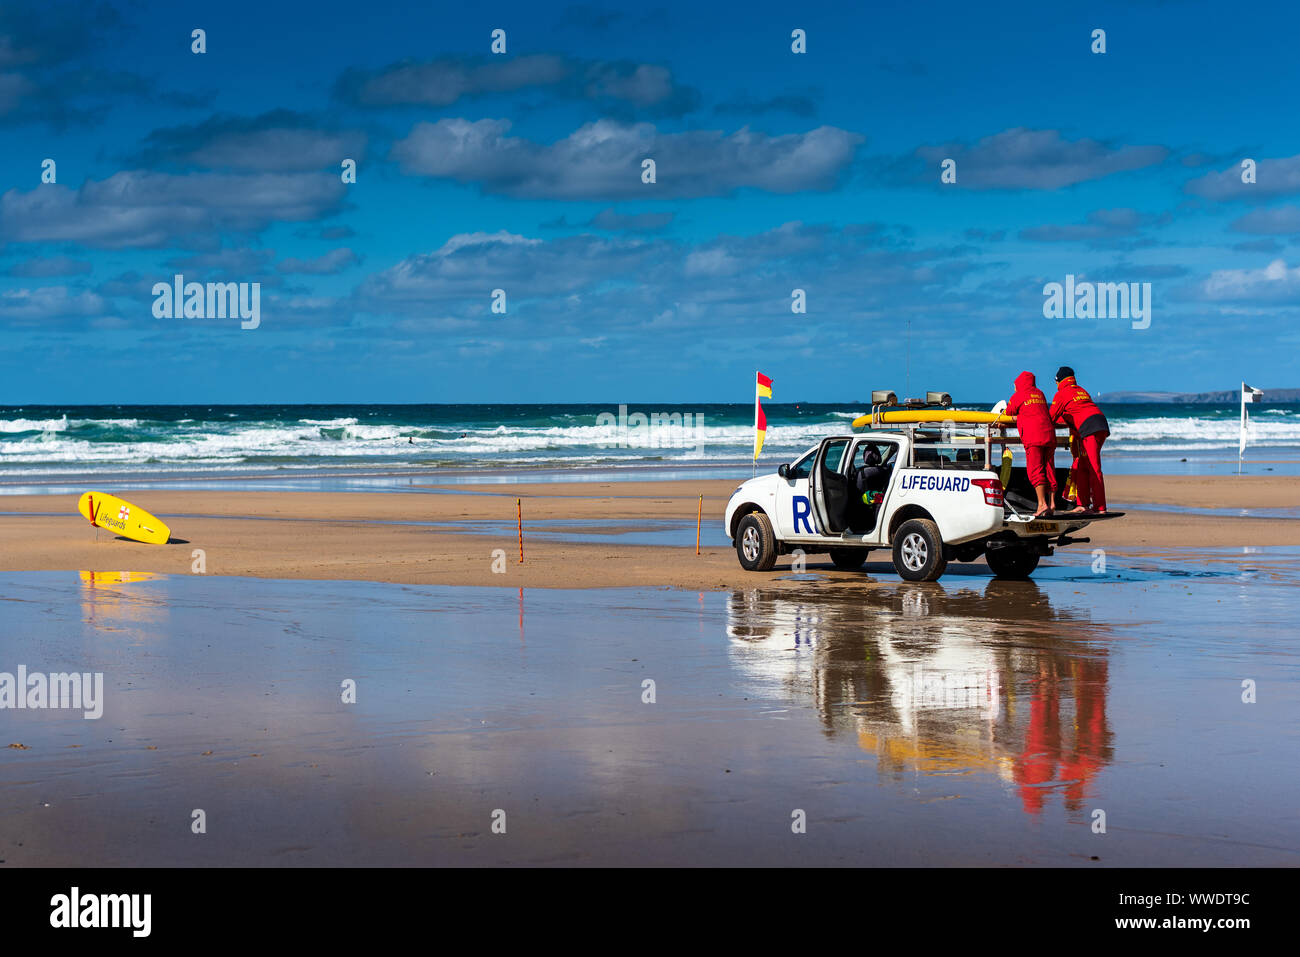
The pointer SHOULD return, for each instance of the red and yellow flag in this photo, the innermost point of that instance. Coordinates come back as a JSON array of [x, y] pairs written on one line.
[[761, 389]]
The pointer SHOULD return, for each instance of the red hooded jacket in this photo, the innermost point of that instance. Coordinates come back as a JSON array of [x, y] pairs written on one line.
[[1073, 406], [1029, 406]]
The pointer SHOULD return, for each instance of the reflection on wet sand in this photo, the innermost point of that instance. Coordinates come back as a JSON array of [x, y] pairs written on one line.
[[968, 722], [937, 681], [109, 579], [108, 603]]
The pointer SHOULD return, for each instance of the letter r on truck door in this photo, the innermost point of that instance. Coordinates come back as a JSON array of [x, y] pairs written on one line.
[[802, 509]]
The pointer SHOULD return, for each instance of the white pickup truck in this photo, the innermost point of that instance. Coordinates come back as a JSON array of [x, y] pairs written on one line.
[[932, 499]]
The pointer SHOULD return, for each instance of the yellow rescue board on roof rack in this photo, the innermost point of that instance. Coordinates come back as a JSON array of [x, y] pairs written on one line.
[[918, 416]]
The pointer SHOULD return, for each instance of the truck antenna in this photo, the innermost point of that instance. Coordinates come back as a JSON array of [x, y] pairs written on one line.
[[907, 362]]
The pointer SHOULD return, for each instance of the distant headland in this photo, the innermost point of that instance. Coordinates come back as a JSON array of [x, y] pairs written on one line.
[[1222, 396]]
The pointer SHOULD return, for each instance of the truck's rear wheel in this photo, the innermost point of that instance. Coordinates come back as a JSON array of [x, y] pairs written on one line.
[[849, 559], [755, 543], [918, 551], [1012, 562]]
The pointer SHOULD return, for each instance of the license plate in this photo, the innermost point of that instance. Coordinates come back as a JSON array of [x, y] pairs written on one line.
[[1040, 527]]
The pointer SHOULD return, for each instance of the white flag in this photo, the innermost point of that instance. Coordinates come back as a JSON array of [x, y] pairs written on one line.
[[1248, 394]]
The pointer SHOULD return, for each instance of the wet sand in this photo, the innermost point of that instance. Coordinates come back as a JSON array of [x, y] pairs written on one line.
[[577, 535], [965, 722]]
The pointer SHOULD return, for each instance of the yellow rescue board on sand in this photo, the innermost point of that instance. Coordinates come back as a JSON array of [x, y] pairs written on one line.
[[121, 517], [917, 416]]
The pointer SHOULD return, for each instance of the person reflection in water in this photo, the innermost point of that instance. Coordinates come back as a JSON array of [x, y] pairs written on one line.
[[1044, 762]]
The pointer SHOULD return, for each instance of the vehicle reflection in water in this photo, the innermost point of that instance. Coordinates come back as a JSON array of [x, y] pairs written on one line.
[[110, 603], [932, 681]]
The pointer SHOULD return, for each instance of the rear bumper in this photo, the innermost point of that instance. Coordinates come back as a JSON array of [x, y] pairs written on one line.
[[1042, 528]]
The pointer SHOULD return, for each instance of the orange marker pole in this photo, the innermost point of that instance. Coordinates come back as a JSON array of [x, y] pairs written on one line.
[[698, 517], [519, 508]]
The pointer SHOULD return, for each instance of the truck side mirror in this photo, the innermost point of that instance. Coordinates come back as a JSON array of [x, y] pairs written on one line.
[[783, 471]]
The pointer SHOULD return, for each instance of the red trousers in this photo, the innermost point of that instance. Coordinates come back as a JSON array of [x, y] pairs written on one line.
[[1041, 465], [1087, 471]]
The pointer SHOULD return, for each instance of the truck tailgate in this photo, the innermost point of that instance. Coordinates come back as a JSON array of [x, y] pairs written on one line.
[[1057, 523]]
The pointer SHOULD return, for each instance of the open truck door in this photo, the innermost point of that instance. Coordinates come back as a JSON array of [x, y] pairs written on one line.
[[829, 488]]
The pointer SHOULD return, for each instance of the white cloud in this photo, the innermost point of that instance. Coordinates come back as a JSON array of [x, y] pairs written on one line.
[[1274, 282], [137, 208], [49, 302], [1273, 178], [604, 160], [1021, 158]]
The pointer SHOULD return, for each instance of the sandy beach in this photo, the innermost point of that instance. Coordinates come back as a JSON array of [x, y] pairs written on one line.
[[576, 534]]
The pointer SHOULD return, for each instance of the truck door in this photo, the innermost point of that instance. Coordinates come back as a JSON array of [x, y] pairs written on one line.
[[794, 517], [829, 488]]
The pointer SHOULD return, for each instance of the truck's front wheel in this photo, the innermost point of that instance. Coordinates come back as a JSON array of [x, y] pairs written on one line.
[[918, 551], [755, 543], [1012, 562]]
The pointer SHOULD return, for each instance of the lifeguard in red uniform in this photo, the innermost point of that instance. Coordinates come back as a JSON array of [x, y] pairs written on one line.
[[1088, 426], [1038, 436]]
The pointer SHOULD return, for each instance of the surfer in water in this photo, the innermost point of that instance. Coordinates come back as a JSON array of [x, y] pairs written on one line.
[[1038, 435], [1089, 429]]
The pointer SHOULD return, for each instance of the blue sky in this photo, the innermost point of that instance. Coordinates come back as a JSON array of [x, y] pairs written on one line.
[[775, 171]]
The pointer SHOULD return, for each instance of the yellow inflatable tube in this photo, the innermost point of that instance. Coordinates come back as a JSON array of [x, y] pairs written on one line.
[[919, 416]]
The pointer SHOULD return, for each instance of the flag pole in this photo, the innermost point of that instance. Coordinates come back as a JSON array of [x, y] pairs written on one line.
[[1249, 395], [1241, 437], [754, 469]]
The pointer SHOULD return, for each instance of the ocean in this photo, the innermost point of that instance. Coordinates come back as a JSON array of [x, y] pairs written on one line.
[[47, 442]]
